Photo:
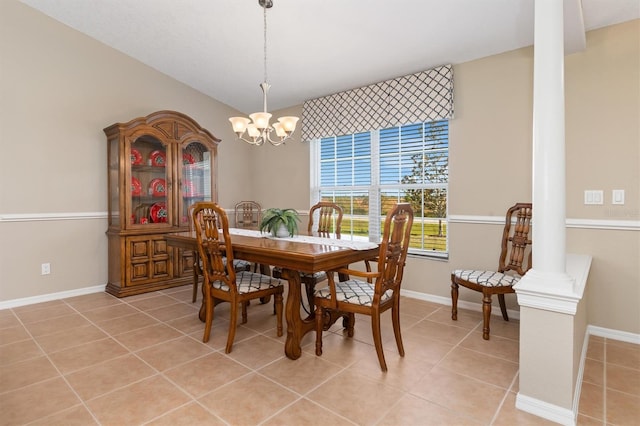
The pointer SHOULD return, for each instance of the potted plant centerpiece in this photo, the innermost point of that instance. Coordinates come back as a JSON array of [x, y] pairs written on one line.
[[280, 222]]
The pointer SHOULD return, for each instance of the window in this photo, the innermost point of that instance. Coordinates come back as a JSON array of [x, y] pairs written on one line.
[[367, 173]]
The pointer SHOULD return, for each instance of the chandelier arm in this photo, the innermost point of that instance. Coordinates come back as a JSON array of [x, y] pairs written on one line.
[[265, 136], [277, 142], [257, 142]]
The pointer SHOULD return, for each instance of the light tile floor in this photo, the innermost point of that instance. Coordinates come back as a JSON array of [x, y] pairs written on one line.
[[96, 359]]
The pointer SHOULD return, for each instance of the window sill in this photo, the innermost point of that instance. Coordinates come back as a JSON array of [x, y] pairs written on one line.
[[443, 257]]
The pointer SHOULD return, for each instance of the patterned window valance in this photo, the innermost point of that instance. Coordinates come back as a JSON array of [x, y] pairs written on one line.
[[424, 96]]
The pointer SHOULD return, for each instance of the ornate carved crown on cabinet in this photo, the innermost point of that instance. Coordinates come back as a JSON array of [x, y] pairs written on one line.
[[158, 165]]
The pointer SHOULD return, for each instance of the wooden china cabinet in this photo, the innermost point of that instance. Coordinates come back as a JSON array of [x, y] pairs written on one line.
[[158, 165]]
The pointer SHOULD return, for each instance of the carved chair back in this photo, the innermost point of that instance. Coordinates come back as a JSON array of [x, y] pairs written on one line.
[[214, 244], [516, 243], [329, 219], [248, 214], [393, 249]]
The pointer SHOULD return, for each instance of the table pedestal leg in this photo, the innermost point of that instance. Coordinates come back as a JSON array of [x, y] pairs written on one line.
[[297, 327]]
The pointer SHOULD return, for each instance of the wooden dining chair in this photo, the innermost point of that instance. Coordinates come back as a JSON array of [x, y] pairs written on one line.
[[329, 219], [325, 220], [221, 282], [248, 214], [511, 266], [238, 264], [380, 291]]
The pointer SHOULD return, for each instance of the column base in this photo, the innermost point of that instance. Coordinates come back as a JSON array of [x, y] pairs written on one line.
[[545, 410]]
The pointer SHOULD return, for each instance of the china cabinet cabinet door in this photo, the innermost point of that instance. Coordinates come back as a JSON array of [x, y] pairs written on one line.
[[149, 259]]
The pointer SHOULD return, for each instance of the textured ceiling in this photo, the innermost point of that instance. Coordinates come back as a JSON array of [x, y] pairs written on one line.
[[315, 48]]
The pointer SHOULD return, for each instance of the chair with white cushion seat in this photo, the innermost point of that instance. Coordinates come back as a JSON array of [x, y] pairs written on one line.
[[221, 282], [380, 291], [511, 266], [238, 264]]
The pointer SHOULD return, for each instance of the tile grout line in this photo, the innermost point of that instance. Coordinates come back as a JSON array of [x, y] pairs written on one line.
[[158, 373], [504, 398], [309, 391], [470, 332], [604, 384], [300, 395], [249, 372], [458, 345], [60, 375]]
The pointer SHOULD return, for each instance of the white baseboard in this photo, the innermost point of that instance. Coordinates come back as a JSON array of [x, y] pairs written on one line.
[[14, 303], [613, 334], [539, 408], [463, 304]]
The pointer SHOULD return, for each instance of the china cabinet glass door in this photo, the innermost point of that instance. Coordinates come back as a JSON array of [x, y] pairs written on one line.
[[150, 181], [196, 176]]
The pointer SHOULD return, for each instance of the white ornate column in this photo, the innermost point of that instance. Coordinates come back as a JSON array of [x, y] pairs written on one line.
[[550, 335], [548, 275]]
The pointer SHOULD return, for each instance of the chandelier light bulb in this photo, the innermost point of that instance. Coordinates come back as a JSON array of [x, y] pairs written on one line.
[[280, 132], [260, 119], [288, 123], [253, 131], [239, 124]]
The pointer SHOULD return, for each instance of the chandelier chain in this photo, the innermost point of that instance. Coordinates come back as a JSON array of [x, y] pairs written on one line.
[[264, 9]]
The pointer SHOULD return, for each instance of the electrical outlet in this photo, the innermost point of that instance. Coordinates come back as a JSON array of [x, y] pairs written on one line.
[[45, 268]]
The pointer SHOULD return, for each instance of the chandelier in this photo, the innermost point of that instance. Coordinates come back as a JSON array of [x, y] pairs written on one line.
[[257, 127]]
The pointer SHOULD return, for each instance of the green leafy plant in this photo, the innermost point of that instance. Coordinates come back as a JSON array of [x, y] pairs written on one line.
[[273, 218]]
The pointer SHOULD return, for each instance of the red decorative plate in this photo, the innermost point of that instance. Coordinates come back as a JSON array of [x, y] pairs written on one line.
[[187, 158], [136, 157], [158, 159], [158, 213], [158, 187], [136, 187], [187, 188]]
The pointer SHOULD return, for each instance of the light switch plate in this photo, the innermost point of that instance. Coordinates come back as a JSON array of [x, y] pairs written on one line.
[[594, 197], [617, 196]]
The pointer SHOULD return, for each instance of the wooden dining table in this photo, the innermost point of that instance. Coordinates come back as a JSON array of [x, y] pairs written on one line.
[[293, 257]]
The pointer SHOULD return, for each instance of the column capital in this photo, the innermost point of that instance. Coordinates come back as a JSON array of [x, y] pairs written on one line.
[[554, 291]]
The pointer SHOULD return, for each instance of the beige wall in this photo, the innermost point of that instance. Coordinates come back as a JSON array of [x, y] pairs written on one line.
[[59, 89], [603, 122], [490, 136]]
